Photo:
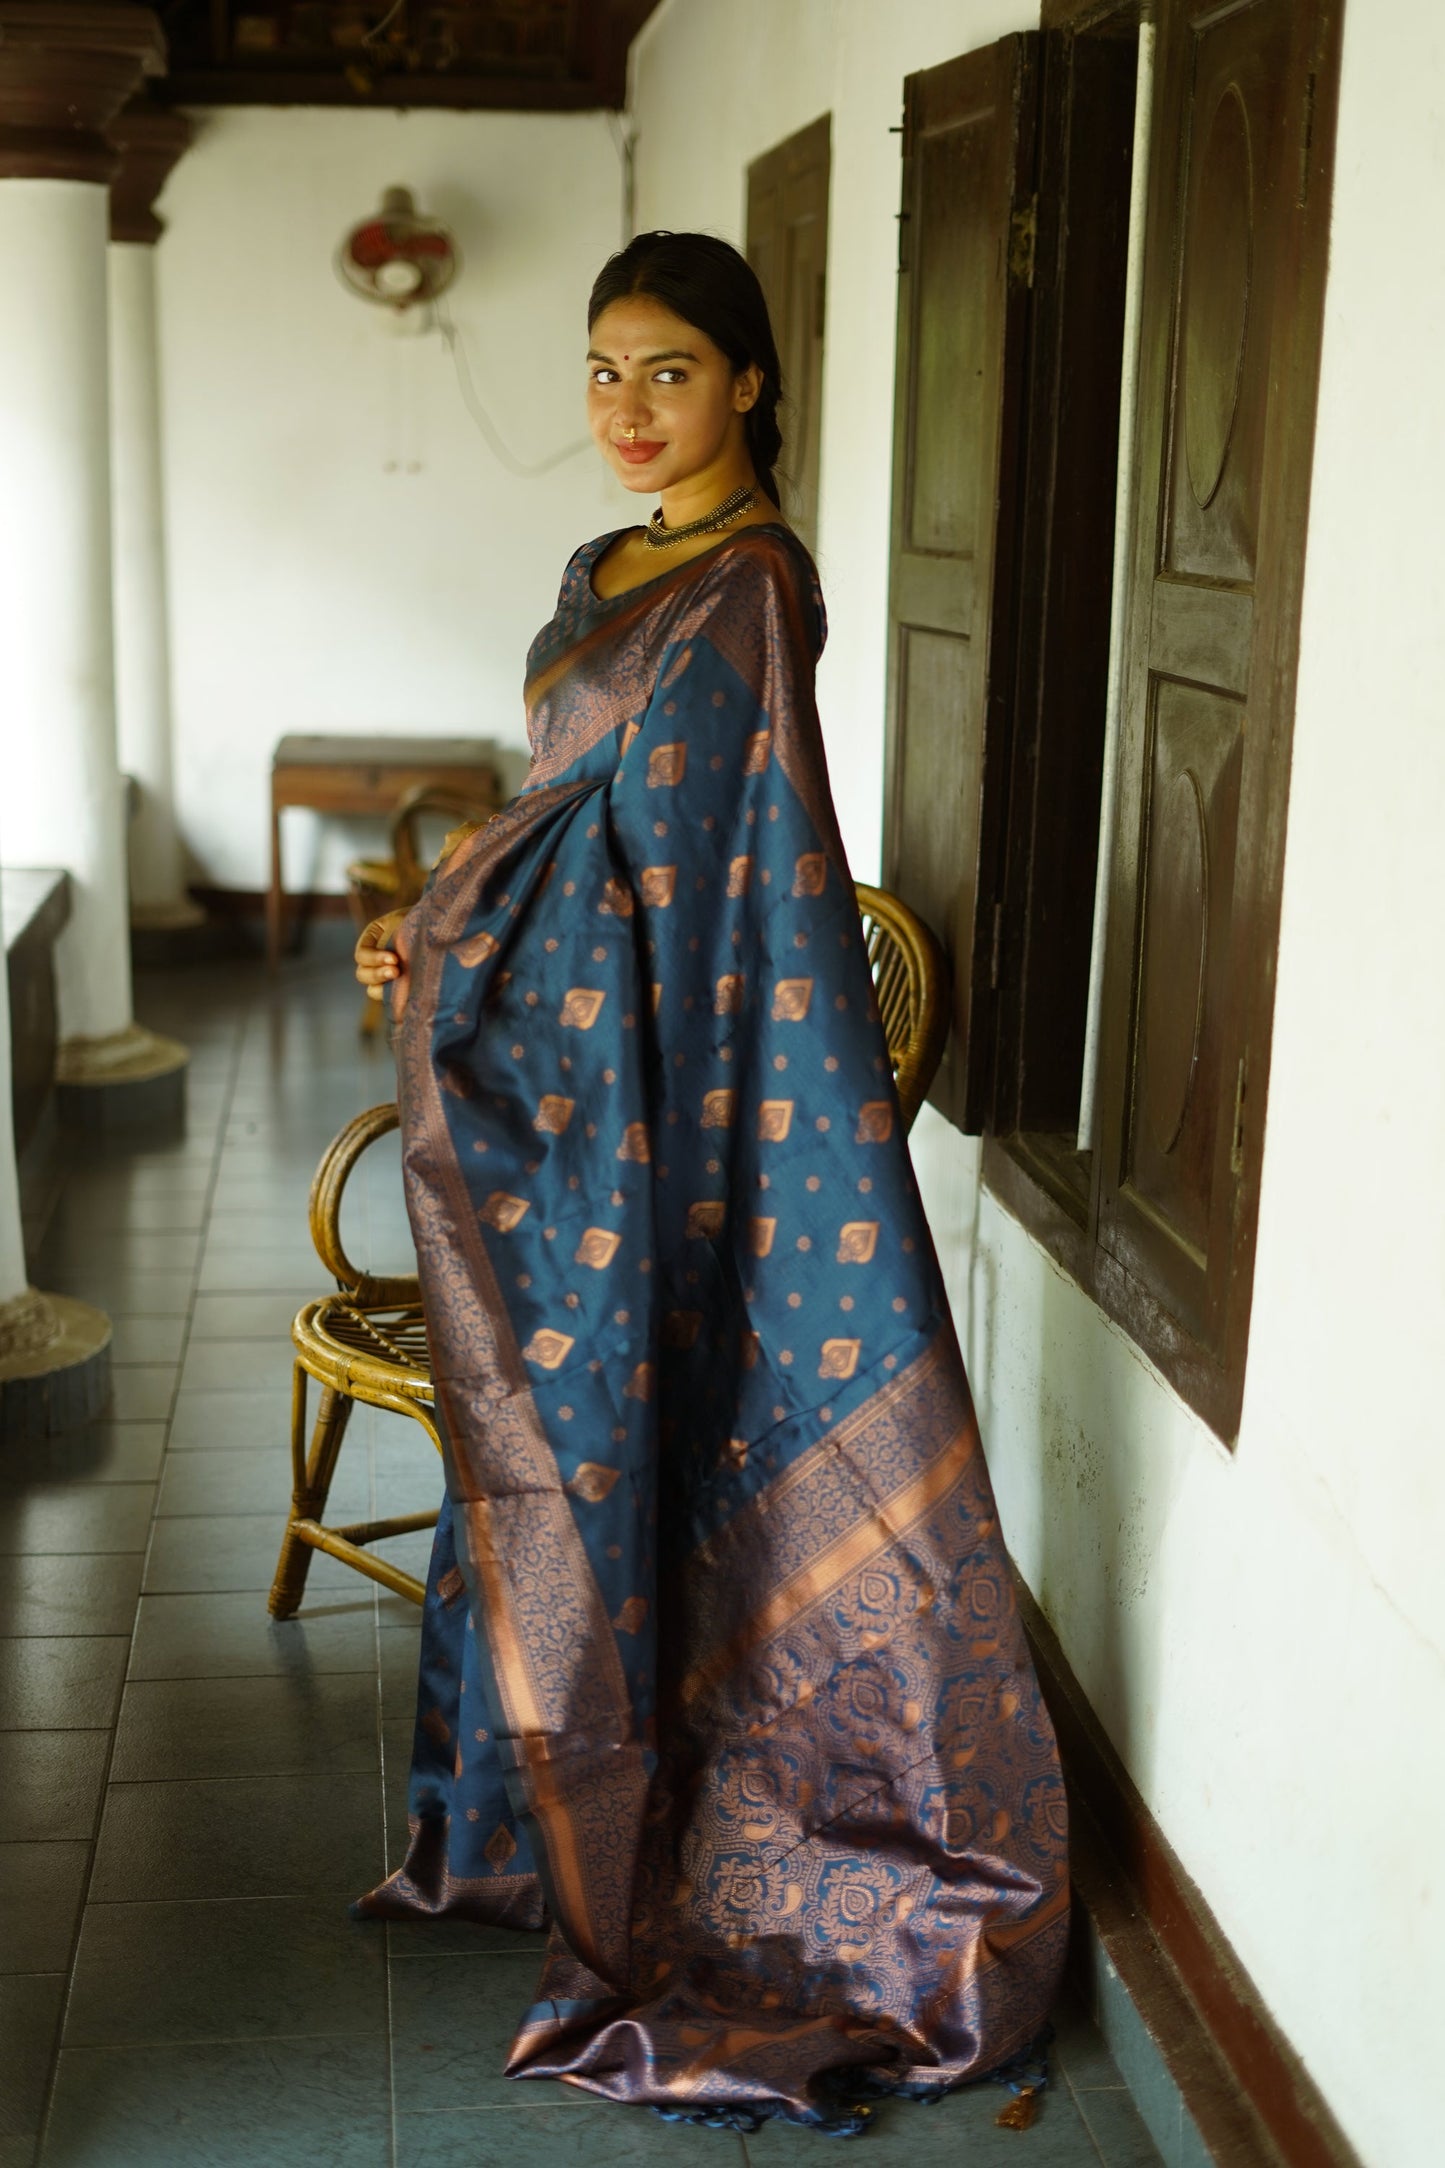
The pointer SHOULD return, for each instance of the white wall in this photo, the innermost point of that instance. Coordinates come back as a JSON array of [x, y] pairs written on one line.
[[346, 554], [769, 67], [1263, 1632]]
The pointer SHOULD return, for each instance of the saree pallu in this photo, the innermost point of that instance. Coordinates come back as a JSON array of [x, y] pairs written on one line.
[[721, 1666]]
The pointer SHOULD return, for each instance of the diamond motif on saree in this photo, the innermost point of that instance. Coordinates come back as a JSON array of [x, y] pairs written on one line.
[[504, 1212], [667, 765], [857, 1241], [875, 1122], [593, 1482], [775, 1119], [597, 1248], [581, 1006], [840, 1358], [548, 1348]]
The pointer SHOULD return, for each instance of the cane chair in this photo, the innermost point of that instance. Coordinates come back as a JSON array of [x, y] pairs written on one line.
[[368, 1341], [378, 885], [910, 980]]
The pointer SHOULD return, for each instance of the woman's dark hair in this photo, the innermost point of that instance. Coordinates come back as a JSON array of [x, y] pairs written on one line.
[[707, 283]]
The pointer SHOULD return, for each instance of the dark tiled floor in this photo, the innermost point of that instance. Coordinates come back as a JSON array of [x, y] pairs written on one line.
[[190, 1793]]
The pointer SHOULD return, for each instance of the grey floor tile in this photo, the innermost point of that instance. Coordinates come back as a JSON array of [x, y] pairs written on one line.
[[284, 2103], [66, 1682], [232, 1636], [174, 1728], [453, 2020], [103, 1452], [121, 1292], [147, 1340], [188, 1557], [962, 2128], [77, 1519], [143, 1392], [253, 1272], [396, 1745], [263, 1226], [240, 1969], [414, 1486], [1115, 2125], [50, 1595], [462, 1938], [412, 1553], [250, 1317], [242, 1416], [29, 2015], [240, 1837], [40, 1891], [599, 2136], [127, 1250], [96, 1208], [257, 1479], [50, 1784], [400, 1649], [110, 1194], [1078, 2048]]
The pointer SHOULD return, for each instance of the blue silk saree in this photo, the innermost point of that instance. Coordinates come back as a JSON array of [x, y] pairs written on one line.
[[721, 1668]]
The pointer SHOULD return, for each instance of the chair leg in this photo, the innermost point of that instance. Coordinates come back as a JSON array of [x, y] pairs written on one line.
[[311, 1482]]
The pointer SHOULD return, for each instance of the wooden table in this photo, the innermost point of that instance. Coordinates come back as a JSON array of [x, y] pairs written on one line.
[[358, 775]]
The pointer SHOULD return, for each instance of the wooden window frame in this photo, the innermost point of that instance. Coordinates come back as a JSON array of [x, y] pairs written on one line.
[[1063, 1198], [797, 176]]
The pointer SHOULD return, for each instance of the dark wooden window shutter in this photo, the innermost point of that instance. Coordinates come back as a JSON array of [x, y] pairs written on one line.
[[966, 243], [1231, 311], [787, 245]]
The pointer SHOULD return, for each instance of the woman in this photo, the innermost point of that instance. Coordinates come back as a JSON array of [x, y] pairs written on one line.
[[721, 1669]]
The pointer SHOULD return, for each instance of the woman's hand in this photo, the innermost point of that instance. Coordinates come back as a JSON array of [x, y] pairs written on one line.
[[377, 967]]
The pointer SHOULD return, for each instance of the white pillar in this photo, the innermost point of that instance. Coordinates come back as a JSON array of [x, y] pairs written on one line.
[[57, 686], [12, 1245], [149, 141], [142, 642]]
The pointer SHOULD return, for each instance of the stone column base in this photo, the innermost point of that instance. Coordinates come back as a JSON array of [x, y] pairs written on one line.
[[126, 1080], [163, 935], [54, 1366], [166, 917]]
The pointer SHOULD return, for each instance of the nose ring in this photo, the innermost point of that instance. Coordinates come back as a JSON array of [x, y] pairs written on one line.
[[630, 434]]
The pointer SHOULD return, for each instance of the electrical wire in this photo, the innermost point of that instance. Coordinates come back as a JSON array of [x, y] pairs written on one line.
[[471, 400], [456, 343], [397, 8]]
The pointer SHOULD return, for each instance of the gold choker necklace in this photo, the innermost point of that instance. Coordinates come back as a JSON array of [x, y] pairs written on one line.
[[657, 537]]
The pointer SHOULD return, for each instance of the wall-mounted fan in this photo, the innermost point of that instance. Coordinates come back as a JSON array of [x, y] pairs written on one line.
[[398, 257]]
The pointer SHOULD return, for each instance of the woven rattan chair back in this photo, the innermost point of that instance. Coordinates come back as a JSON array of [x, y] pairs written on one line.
[[366, 1342], [379, 885], [475, 806], [910, 980]]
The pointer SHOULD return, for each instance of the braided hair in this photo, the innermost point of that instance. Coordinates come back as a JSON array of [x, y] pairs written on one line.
[[710, 284]]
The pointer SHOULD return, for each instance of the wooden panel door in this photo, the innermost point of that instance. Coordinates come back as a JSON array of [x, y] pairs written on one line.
[[787, 245], [965, 266], [1229, 360]]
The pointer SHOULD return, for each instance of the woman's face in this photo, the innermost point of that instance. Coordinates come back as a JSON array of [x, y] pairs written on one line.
[[651, 373]]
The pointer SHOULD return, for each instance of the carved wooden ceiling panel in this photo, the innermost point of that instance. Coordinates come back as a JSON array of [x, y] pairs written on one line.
[[529, 54]]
